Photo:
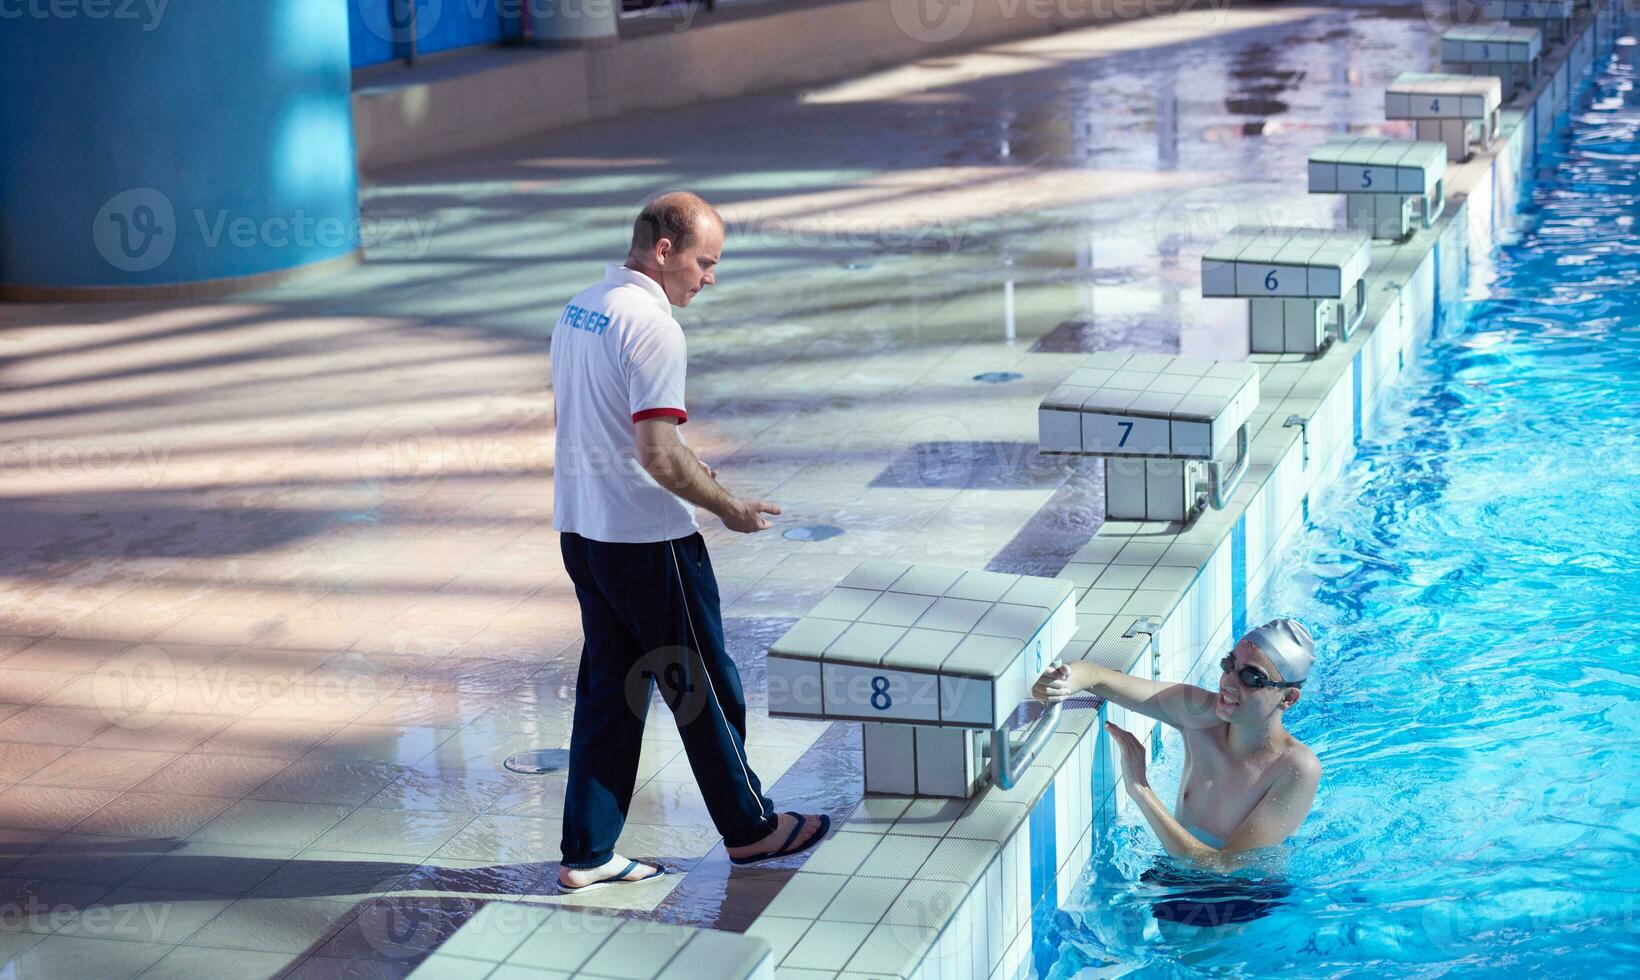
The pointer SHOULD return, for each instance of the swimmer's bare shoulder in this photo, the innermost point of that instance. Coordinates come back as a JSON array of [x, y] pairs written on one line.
[[1301, 762], [1299, 775]]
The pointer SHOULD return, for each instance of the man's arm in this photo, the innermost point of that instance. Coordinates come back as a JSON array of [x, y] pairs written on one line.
[[675, 467], [1179, 705]]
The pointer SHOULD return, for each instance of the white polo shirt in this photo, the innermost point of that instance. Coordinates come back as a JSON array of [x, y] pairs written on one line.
[[618, 357]]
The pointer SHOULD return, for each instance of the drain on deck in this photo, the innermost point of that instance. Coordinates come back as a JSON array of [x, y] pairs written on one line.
[[539, 762], [813, 532]]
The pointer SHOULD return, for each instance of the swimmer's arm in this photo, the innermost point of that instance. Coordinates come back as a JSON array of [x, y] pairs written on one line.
[[1277, 817], [1179, 705]]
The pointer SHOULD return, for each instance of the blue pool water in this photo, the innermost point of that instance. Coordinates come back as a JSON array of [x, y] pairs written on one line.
[[1474, 583]]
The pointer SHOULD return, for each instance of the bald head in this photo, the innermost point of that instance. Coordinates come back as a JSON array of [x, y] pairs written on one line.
[[680, 217], [677, 241]]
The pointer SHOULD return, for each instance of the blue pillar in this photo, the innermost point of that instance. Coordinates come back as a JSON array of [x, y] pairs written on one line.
[[190, 146]]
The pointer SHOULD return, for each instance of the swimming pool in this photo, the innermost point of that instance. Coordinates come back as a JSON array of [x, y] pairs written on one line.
[[1474, 584]]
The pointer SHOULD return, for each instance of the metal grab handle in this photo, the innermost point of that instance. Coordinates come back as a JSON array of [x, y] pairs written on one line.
[[1347, 329], [1009, 763], [1433, 212], [1219, 490]]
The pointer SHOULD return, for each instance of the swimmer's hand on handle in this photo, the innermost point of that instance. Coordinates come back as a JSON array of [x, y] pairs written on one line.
[[1180, 705], [1055, 684]]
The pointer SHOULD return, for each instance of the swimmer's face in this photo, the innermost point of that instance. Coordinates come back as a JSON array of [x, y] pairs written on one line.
[[686, 271], [1239, 702]]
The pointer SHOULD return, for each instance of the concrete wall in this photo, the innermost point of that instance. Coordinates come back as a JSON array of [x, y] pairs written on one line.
[[485, 97], [167, 144]]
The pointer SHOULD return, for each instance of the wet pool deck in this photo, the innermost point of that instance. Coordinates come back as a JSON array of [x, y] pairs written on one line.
[[301, 540]]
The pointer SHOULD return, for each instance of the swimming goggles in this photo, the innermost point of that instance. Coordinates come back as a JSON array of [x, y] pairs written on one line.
[[1251, 676]]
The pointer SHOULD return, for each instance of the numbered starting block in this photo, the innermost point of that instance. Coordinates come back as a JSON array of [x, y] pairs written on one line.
[[1300, 283], [1552, 17], [1383, 180], [1508, 52], [1455, 109], [935, 661], [1161, 422]]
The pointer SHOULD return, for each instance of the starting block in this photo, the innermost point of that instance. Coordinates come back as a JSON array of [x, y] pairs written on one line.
[[1382, 179], [1454, 109]]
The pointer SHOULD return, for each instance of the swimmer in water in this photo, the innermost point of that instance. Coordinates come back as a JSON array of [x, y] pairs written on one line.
[[1247, 783]]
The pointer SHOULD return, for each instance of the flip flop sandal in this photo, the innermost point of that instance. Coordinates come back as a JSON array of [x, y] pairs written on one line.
[[786, 849], [619, 878]]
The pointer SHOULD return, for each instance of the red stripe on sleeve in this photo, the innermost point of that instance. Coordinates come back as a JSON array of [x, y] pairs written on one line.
[[661, 413]]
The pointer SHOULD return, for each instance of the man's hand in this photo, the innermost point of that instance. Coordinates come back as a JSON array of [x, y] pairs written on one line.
[[746, 515], [1054, 685], [676, 467], [1133, 758]]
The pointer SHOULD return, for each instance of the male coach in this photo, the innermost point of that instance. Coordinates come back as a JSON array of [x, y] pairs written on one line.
[[623, 487]]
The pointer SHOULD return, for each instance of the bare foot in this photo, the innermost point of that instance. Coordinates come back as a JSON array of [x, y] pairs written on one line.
[[581, 877], [782, 830]]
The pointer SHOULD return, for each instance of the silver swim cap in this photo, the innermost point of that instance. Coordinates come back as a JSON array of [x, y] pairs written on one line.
[[1288, 645]]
